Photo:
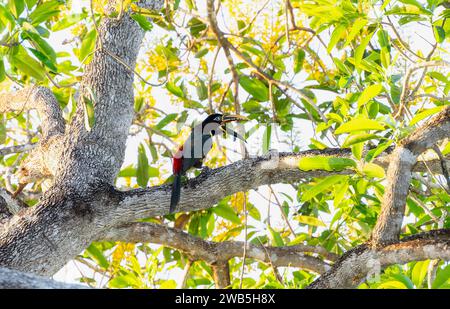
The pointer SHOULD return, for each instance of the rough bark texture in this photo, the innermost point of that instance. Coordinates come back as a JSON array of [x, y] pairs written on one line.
[[404, 158], [11, 279], [353, 267], [217, 253], [43, 238], [82, 205]]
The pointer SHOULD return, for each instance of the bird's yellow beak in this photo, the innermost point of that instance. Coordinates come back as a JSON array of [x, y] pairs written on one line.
[[229, 118]]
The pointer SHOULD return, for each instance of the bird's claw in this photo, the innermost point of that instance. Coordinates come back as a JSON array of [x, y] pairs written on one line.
[[204, 170]]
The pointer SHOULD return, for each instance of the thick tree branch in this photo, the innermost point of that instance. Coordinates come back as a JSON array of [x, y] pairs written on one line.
[[243, 175], [356, 264], [404, 158], [12, 279], [218, 253], [41, 99]]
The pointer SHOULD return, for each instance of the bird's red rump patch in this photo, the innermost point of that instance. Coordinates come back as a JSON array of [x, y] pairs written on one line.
[[178, 160]]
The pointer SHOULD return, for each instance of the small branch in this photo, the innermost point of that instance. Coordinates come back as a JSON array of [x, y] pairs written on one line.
[[221, 274], [433, 96], [17, 149], [443, 166], [217, 253], [40, 98], [8, 205], [404, 97]]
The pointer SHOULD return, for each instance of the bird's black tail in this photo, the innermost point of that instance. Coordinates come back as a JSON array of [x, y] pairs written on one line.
[[176, 192]]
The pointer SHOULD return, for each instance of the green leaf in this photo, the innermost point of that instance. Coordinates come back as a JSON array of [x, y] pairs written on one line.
[[426, 113], [2, 70], [2, 130], [175, 90], [142, 21], [68, 21], [255, 87], [168, 284], [446, 149], [196, 26], [369, 93], [142, 171], [226, 212], [359, 51], [357, 150], [308, 220], [439, 34], [267, 136], [322, 186], [128, 171], [419, 272], [41, 45], [87, 45], [6, 18], [373, 170], [394, 284], [356, 28], [275, 237], [335, 37], [201, 52], [44, 12], [373, 153], [318, 144], [44, 59], [165, 121], [124, 281], [16, 7], [253, 212], [97, 255], [325, 163], [383, 39], [298, 60], [89, 113], [358, 138], [359, 124], [385, 57], [27, 64], [443, 276], [405, 280], [202, 90]]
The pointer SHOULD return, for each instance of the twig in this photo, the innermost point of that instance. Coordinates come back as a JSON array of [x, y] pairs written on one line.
[[244, 255], [443, 166]]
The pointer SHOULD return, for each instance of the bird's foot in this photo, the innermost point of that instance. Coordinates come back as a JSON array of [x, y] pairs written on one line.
[[204, 170]]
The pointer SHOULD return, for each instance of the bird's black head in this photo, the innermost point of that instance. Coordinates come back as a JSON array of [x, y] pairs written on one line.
[[213, 118], [222, 119], [213, 122]]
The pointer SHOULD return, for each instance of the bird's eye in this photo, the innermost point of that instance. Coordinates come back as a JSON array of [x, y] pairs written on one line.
[[217, 118]]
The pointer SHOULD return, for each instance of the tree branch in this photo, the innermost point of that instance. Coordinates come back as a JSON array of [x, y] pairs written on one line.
[[41, 99], [12, 279], [17, 148], [404, 158], [218, 253], [243, 175], [352, 268]]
